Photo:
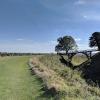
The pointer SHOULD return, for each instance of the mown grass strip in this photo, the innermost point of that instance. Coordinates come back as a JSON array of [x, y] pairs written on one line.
[[16, 81]]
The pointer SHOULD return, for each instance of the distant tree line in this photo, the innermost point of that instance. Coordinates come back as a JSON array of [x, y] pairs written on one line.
[[2, 54], [14, 54]]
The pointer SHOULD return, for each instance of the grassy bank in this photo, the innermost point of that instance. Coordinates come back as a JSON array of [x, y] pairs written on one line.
[[16, 81], [77, 88]]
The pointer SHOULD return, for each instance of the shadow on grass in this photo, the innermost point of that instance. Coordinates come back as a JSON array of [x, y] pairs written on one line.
[[46, 94], [90, 69], [49, 93], [92, 72]]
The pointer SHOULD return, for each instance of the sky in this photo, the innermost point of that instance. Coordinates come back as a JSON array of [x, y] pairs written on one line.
[[34, 25]]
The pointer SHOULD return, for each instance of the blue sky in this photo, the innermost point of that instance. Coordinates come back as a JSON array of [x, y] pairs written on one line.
[[35, 25]]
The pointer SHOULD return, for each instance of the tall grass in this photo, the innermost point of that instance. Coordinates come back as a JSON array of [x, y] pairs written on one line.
[[77, 88]]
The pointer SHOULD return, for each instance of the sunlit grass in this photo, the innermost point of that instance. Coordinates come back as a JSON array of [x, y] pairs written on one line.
[[77, 88], [79, 59], [16, 81]]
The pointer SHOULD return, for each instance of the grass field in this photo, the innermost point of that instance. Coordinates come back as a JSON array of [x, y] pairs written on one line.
[[16, 81]]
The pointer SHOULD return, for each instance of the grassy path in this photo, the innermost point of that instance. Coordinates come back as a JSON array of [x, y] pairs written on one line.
[[16, 82]]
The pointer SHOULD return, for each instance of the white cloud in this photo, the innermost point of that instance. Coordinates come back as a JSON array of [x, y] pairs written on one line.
[[78, 39], [93, 17], [80, 2], [53, 4], [37, 47], [83, 46], [53, 42], [87, 2], [20, 39]]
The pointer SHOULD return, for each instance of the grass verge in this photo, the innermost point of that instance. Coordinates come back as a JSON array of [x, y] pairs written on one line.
[[74, 88]]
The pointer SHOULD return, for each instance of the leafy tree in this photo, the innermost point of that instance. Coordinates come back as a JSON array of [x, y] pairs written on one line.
[[58, 48], [95, 40], [65, 43]]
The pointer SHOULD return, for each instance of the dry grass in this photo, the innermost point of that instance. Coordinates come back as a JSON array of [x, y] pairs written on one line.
[[76, 87], [49, 76], [67, 83]]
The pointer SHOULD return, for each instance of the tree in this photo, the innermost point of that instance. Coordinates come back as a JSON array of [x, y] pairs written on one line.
[[94, 40], [65, 43]]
